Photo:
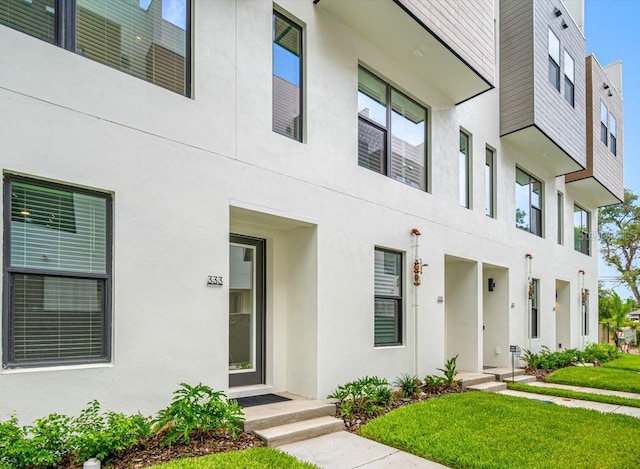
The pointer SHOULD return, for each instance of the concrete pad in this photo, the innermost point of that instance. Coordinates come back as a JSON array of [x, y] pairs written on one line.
[[599, 406], [343, 450], [402, 460], [630, 411], [603, 392]]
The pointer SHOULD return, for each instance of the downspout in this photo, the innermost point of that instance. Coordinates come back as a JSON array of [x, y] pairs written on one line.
[[417, 271], [529, 257], [582, 307]]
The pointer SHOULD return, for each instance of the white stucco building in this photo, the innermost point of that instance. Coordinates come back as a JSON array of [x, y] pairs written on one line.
[[224, 191]]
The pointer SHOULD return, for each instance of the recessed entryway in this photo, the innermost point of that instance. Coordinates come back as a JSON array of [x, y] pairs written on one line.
[[563, 315], [495, 316]]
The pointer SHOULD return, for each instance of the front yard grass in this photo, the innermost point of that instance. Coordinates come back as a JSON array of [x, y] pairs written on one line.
[[585, 396], [625, 362], [484, 430], [597, 377], [255, 458]]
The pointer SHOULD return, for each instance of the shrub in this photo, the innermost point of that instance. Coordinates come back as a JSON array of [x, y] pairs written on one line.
[[198, 411], [600, 352], [410, 385], [449, 371], [368, 395], [433, 381]]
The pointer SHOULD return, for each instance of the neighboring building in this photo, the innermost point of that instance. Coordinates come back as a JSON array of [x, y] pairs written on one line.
[[634, 316], [225, 192]]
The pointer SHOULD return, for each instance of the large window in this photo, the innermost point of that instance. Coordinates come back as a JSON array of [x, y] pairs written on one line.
[[391, 131], [56, 275], [147, 39], [569, 79], [560, 221], [554, 60], [581, 228], [604, 130], [489, 183], [613, 135], [534, 289], [464, 164], [388, 298], [287, 77], [528, 203]]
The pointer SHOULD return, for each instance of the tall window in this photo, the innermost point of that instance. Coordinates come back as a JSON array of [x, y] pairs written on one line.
[[287, 77], [391, 132], [534, 289], [585, 311], [464, 164], [613, 135], [554, 60], [604, 131], [388, 297], [147, 39], [528, 203], [569, 79], [57, 275], [489, 183], [560, 211], [581, 228]]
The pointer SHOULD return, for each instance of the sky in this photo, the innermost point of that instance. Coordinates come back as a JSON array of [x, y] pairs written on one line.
[[611, 33]]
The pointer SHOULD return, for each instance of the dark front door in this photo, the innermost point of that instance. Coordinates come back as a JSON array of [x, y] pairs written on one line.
[[246, 311]]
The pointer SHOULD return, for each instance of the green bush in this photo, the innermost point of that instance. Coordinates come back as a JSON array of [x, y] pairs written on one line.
[[369, 395], [600, 352], [409, 385], [433, 381], [196, 411], [449, 371]]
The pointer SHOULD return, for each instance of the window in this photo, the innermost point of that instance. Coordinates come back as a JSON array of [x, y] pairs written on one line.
[[534, 289], [464, 164], [57, 275], [554, 60], [560, 208], [489, 182], [146, 39], [388, 297], [287, 77], [569, 79], [391, 132], [581, 228], [612, 135], [604, 114], [585, 311], [528, 203]]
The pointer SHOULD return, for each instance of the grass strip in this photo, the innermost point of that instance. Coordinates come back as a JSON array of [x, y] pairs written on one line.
[[254, 458], [625, 362], [597, 377], [583, 396], [486, 430]]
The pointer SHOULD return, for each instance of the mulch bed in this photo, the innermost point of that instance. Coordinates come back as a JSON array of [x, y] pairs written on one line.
[[153, 452], [428, 392]]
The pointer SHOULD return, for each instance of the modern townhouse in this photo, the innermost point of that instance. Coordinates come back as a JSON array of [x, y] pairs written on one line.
[[285, 196]]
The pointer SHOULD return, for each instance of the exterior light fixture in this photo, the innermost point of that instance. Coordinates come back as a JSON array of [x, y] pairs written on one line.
[[564, 24], [557, 11], [610, 94], [605, 86]]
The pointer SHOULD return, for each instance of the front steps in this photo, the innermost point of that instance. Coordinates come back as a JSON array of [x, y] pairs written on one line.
[[492, 379], [290, 421]]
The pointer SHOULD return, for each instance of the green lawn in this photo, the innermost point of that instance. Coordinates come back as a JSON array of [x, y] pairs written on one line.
[[485, 430], [597, 377], [585, 396], [625, 362], [255, 458]]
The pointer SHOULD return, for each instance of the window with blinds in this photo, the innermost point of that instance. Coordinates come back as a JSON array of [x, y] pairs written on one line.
[[388, 298], [148, 39], [58, 275], [287, 77]]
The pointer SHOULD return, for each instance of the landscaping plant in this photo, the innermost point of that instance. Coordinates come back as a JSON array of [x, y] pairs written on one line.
[[18, 450], [369, 395], [410, 385], [449, 371], [196, 411]]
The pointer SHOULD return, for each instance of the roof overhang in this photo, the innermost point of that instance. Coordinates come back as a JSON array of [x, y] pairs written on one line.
[[594, 191]]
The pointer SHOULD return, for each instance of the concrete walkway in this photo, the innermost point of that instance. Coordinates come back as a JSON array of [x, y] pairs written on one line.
[[344, 450], [602, 392]]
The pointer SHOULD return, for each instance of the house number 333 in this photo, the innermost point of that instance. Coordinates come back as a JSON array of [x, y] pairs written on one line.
[[214, 280]]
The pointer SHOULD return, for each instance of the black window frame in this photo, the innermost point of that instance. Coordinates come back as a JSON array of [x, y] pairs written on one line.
[[534, 294], [613, 137], [299, 137], [490, 181], [397, 299], [388, 131], [554, 67], [604, 126], [569, 82], [532, 208], [465, 172], [8, 362], [584, 300], [65, 37], [560, 219], [582, 238]]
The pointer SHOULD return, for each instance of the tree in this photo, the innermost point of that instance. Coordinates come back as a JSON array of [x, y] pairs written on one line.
[[619, 230]]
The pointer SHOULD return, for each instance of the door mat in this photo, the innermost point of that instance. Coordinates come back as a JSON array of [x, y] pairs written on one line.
[[261, 400]]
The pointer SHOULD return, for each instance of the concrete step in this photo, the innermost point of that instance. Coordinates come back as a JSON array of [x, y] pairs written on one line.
[[280, 413], [469, 379], [520, 379], [297, 431], [503, 373], [493, 386]]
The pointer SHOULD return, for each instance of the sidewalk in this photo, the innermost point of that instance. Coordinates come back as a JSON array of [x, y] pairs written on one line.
[[602, 392], [344, 450]]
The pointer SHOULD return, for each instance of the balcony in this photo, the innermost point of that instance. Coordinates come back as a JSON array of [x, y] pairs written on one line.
[[602, 180], [449, 44], [542, 84]]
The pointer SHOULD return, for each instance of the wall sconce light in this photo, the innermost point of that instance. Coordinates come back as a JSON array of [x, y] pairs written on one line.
[[564, 24], [557, 11], [605, 86], [513, 305], [440, 299], [610, 94], [492, 284]]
